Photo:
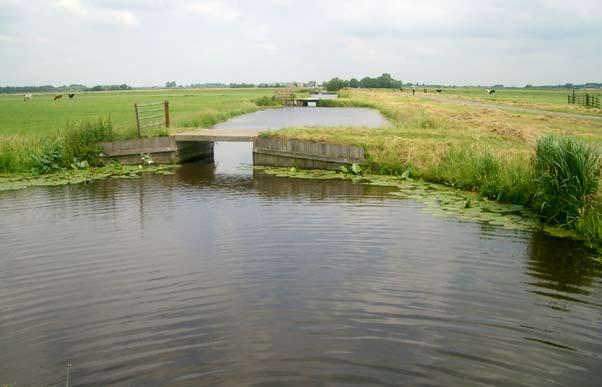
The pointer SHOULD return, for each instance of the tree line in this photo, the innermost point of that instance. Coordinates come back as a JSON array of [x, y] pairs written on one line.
[[385, 81]]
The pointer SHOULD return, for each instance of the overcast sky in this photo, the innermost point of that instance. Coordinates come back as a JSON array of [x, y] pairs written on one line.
[[149, 42]]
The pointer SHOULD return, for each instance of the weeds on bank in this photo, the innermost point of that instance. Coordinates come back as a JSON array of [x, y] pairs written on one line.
[[76, 146]]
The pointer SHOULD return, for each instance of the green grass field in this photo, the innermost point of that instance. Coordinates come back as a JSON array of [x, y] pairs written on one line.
[[545, 99], [188, 108]]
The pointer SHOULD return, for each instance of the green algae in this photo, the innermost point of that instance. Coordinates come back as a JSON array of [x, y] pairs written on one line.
[[79, 176], [439, 200]]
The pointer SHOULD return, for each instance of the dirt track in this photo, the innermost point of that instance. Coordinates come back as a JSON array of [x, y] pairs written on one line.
[[509, 108]]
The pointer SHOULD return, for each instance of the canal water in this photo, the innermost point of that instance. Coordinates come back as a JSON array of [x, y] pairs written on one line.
[[220, 276], [306, 116]]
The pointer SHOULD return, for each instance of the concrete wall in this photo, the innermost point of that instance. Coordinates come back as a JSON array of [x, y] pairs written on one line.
[[164, 150], [279, 152]]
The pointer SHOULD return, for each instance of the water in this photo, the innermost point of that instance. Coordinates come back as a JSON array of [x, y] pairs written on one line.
[[306, 116], [219, 276]]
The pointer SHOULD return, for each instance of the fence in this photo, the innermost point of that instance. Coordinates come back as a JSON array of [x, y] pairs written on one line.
[[145, 112], [586, 99]]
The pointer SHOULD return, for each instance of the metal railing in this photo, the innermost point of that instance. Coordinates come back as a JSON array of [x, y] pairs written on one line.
[[146, 112]]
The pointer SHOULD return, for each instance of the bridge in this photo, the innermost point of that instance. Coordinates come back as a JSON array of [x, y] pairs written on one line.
[[198, 145], [224, 134]]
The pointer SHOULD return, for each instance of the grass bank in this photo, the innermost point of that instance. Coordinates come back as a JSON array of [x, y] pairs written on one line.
[[43, 136], [43, 116], [501, 155]]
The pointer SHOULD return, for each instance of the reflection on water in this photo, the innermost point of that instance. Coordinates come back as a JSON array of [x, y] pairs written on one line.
[[218, 276], [307, 116]]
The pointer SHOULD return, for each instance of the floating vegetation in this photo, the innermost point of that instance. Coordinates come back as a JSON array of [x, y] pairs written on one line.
[[79, 176], [438, 199]]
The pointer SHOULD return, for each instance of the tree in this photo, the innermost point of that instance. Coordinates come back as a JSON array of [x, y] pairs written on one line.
[[354, 83], [171, 84], [336, 84]]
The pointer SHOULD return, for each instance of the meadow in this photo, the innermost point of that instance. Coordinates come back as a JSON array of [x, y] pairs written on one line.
[[545, 99], [189, 108], [489, 151]]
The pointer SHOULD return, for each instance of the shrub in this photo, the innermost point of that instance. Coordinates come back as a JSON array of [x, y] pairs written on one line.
[[268, 101], [566, 174]]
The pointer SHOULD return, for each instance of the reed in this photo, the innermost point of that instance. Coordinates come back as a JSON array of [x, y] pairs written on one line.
[[566, 174]]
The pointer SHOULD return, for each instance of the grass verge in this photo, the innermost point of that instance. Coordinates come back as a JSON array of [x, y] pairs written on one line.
[[550, 164]]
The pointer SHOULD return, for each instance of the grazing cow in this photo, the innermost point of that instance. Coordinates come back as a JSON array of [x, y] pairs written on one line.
[[490, 92], [58, 96], [27, 97], [439, 90], [71, 95]]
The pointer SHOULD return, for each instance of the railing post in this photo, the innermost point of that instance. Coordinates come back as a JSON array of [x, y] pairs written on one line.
[[137, 119], [166, 105]]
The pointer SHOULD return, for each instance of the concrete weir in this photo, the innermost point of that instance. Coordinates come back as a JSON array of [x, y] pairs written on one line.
[[280, 152], [163, 150], [198, 145]]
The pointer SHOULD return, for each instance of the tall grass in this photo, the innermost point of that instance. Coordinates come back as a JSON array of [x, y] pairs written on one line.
[[566, 173], [589, 225], [479, 168], [24, 154], [83, 141]]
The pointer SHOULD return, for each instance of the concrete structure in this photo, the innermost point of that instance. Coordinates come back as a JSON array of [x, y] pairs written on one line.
[[198, 145], [280, 152], [234, 135], [163, 150]]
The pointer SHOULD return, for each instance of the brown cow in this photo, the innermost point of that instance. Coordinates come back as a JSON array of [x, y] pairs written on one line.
[[57, 96]]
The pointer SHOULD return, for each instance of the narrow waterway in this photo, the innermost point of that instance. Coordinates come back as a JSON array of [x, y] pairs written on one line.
[[306, 116], [216, 275]]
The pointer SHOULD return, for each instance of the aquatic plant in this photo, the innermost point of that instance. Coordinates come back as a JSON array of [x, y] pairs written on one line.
[[49, 158], [79, 164], [566, 173], [146, 159], [354, 169]]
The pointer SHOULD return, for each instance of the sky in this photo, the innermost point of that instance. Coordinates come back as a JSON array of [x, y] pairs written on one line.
[[150, 42]]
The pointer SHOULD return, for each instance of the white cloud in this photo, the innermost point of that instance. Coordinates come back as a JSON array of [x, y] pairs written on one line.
[[124, 18], [7, 39], [91, 13], [438, 41], [71, 6], [216, 11]]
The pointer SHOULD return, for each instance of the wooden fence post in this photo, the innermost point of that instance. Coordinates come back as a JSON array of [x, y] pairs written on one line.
[[137, 119], [166, 105]]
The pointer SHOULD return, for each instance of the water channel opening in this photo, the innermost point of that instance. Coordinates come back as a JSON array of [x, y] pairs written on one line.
[[233, 158]]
